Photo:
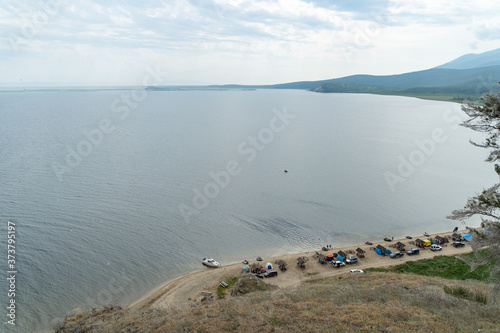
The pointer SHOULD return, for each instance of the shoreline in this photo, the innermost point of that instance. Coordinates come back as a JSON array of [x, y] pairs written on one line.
[[186, 288]]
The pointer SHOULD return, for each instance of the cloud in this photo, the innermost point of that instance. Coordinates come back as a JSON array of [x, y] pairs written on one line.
[[217, 32], [488, 31]]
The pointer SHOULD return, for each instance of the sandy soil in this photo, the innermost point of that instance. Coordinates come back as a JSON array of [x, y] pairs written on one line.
[[186, 289]]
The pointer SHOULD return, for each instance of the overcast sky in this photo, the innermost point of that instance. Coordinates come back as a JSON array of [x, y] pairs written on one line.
[[235, 41]]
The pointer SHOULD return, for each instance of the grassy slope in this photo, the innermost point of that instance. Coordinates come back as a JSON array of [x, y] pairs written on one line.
[[375, 301], [441, 266]]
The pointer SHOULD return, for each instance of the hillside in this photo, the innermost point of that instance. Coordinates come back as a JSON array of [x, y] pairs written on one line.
[[472, 60], [452, 84], [431, 78], [388, 297], [467, 77], [386, 302]]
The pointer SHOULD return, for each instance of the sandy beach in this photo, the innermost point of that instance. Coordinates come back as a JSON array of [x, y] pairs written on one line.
[[186, 289]]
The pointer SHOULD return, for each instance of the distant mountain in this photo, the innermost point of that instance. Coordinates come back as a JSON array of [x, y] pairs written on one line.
[[472, 60], [473, 80], [468, 76]]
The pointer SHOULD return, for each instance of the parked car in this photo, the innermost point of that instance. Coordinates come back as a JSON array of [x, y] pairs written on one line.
[[435, 247], [351, 260], [395, 255], [270, 273], [412, 252], [458, 244], [387, 239], [356, 271], [260, 276], [338, 264]]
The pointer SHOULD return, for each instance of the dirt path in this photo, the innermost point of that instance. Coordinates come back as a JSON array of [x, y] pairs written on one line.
[[186, 289]]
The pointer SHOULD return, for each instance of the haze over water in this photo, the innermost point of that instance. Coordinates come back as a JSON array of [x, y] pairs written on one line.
[[105, 226]]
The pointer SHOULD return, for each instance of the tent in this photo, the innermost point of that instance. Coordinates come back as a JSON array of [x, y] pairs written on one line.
[[400, 246], [441, 240], [329, 257], [282, 264], [245, 269], [467, 237], [340, 258], [255, 268], [360, 252], [269, 266], [387, 251], [379, 252], [427, 242]]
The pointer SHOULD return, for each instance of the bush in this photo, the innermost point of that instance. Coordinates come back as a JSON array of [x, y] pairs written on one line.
[[463, 292], [442, 266]]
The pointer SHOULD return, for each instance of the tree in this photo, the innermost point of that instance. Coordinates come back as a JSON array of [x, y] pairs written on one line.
[[485, 119]]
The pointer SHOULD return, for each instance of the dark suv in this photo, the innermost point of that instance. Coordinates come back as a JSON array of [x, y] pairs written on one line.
[[270, 274], [397, 255], [412, 252], [458, 244]]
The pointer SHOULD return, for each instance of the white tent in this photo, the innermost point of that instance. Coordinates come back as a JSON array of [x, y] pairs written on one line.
[[269, 266]]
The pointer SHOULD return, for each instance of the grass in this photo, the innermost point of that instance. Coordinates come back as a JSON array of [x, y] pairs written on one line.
[[441, 266], [387, 302], [456, 98], [221, 291], [465, 293]]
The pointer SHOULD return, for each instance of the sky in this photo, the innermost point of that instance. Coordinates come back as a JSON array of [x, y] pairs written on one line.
[[66, 42]]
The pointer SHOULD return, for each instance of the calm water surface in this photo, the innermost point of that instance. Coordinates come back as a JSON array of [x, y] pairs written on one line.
[[115, 192]]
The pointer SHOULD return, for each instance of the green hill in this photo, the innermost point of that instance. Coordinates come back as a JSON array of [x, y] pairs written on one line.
[[447, 84], [467, 77], [471, 60]]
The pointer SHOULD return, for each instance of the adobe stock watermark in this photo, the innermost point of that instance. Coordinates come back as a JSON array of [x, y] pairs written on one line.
[[121, 109], [220, 9], [248, 149], [34, 21], [485, 84], [424, 149], [363, 34]]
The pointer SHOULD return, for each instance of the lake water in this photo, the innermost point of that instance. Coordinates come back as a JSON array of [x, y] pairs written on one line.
[[115, 192]]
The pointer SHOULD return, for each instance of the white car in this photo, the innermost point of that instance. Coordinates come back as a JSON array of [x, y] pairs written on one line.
[[338, 264], [356, 271], [435, 247]]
